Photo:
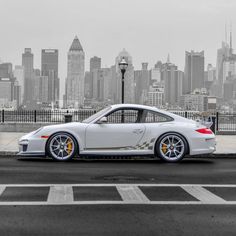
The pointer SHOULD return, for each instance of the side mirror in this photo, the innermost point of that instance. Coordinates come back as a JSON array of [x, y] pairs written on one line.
[[102, 120]]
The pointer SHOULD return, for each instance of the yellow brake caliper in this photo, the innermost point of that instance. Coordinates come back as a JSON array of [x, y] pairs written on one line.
[[164, 148], [69, 145]]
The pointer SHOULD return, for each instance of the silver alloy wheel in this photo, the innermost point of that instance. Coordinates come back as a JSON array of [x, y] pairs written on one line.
[[62, 147], [172, 147]]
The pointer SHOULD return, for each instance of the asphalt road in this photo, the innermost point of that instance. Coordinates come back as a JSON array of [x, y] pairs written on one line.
[[189, 171], [117, 219]]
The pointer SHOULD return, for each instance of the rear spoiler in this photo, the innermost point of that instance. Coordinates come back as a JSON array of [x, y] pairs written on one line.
[[204, 118]]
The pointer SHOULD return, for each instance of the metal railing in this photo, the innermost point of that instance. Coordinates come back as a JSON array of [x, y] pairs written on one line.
[[42, 116], [223, 121]]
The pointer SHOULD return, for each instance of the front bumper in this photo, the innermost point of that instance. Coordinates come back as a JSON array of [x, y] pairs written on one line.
[[30, 145]]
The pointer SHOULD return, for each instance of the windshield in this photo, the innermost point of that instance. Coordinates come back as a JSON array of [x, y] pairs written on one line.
[[96, 115]]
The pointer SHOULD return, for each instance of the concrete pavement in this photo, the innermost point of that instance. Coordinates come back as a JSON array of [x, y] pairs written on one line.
[[226, 144]]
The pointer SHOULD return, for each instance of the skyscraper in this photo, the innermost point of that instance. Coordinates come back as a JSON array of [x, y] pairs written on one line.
[[142, 83], [95, 66], [75, 75], [173, 79], [28, 64], [49, 67], [19, 75], [95, 63], [194, 71]]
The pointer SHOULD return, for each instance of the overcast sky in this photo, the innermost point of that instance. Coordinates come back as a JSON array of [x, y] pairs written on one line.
[[147, 29]]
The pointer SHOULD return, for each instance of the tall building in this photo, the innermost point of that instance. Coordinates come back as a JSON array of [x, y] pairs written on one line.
[[211, 73], [155, 96], [6, 70], [194, 71], [142, 83], [95, 66], [28, 64], [75, 75], [19, 75], [9, 87], [173, 83], [129, 91], [49, 68], [95, 63]]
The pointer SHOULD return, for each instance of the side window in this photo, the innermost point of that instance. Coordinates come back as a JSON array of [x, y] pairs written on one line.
[[155, 117], [123, 116]]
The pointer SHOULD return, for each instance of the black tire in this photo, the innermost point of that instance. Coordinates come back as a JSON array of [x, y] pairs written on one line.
[[173, 152], [63, 146]]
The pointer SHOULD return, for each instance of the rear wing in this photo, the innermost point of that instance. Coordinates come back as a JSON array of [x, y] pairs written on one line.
[[204, 118]]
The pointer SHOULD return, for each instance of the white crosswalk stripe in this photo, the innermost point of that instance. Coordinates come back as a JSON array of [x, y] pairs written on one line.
[[62, 194], [203, 194], [2, 188], [132, 194]]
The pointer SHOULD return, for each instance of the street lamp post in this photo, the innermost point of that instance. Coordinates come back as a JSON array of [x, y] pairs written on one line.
[[123, 66]]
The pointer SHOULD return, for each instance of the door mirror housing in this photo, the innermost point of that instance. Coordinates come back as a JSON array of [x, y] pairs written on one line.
[[102, 120]]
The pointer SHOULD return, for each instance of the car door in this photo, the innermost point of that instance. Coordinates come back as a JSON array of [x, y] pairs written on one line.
[[122, 131]]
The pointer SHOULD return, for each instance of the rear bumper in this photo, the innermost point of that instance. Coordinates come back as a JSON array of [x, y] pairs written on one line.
[[203, 146]]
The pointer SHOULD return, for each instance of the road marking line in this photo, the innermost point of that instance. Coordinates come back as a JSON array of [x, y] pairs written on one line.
[[203, 194], [2, 188], [114, 185], [60, 194], [132, 194], [34, 203]]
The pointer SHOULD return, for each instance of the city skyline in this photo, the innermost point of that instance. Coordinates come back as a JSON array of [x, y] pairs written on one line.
[[104, 32]]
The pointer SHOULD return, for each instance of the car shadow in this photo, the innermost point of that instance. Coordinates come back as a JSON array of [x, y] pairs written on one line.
[[95, 159]]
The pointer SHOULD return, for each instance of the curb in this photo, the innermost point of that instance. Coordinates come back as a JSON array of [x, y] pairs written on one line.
[[214, 155]]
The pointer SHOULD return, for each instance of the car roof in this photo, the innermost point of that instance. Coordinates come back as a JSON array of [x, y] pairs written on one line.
[[138, 106]]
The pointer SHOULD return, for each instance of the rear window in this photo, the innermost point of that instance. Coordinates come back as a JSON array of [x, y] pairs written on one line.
[[156, 117]]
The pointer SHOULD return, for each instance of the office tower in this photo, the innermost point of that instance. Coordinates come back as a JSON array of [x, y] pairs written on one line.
[[87, 85], [194, 71], [211, 73], [19, 75], [95, 63], [142, 83], [9, 87], [28, 64], [129, 83], [155, 75], [95, 66], [49, 68], [222, 54], [173, 82], [6, 70], [5, 92], [155, 96], [115, 84], [75, 75], [104, 85]]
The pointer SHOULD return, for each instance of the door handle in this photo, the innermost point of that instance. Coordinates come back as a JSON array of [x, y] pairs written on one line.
[[137, 131]]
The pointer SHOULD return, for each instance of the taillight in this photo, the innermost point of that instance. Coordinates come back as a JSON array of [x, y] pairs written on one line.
[[204, 131]]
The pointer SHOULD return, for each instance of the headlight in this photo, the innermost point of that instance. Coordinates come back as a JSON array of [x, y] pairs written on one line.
[[24, 142]]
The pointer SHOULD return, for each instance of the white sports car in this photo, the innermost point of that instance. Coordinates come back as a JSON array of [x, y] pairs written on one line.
[[124, 129]]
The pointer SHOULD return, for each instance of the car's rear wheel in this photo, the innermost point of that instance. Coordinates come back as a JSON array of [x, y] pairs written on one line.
[[171, 147], [62, 146]]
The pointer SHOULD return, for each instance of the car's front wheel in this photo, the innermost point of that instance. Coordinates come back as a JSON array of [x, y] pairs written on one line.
[[61, 147], [171, 147]]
